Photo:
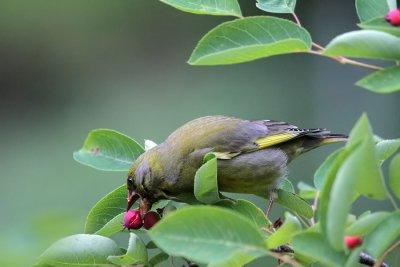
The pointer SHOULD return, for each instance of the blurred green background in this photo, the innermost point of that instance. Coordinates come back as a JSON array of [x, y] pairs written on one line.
[[69, 66]]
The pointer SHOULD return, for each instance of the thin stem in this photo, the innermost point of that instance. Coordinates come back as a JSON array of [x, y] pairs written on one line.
[[296, 18], [345, 60], [379, 262], [339, 59]]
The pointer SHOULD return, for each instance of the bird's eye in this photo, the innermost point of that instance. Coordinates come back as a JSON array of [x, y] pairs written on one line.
[[129, 183]]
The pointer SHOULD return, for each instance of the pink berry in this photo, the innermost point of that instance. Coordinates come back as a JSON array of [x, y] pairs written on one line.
[[353, 241], [393, 17], [150, 219], [132, 219]]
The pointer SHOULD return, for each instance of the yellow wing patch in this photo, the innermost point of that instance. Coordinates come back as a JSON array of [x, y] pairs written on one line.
[[271, 140]]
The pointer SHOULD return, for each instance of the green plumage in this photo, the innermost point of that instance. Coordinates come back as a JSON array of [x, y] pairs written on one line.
[[252, 156]]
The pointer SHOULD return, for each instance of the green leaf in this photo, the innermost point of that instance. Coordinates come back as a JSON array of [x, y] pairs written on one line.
[[238, 258], [113, 226], [207, 234], [386, 148], [369, 9], [354, 258], [285, 233], [277, 6], [148, 144], [394, 175], [108, 150], [287, 186], [364, 164], [207, 7], [248, 39], [365, 44], [111, 205], [313, 246], [294, 203], [382, 81], [135, 254], [206, 182], [341, 198], [306, 191], [324, 200], [158, 258], [383, 235], [366, 224], [380, 24], [321, 175], [80, 250], [247, 209]]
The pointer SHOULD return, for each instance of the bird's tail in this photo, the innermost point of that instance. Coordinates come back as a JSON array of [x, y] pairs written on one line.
[[318, 137]]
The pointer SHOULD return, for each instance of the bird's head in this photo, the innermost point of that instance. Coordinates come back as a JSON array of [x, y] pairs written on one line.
[[144, 180]]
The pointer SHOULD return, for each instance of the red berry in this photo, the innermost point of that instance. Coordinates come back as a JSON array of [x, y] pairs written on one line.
[[353, 241], [150, 219], [393, 17], [132, 219]]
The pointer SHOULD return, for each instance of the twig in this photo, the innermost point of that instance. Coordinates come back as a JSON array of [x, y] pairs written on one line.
[[344, 60], [340, 59], [382, 258]]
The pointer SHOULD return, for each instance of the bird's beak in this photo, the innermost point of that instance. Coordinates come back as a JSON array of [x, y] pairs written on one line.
[[132, 197]]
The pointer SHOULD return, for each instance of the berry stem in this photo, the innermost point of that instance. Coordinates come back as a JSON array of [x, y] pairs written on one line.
[[340, 59], [379, 262]]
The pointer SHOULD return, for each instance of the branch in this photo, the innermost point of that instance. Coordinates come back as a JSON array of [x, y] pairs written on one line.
[[340, 59], [381, 259]]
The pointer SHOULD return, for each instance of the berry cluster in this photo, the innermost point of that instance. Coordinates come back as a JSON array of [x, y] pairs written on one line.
[[133, 220], [393, 17]]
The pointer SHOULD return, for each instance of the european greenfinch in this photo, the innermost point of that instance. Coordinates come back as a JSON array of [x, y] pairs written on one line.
[[252, 158]]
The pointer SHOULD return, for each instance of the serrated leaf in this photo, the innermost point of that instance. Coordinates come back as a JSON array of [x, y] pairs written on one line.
[[369, 9], [108, 150], [365, 44], [383, 235], [394, 175], [207, 234], [148, 144], [313, 246], [284, 234], [111, 205], [294, 203], [207, 7], [321, 175], [382, 81], [80, 250], [287, 186], [277, 6], [205, 181], [135, 254], [380, 24], [366, 224], [247, 209], [248, 39]]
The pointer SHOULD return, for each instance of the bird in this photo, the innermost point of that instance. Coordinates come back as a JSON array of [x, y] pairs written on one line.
[[252, 158]]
